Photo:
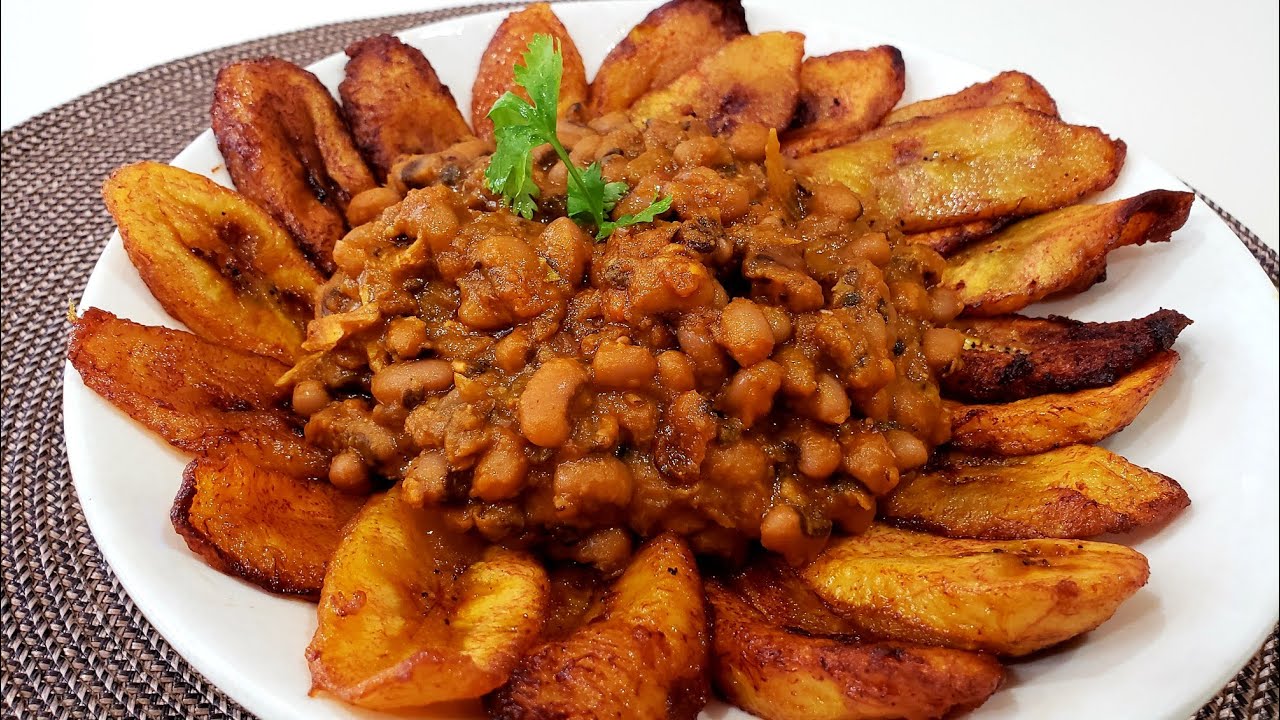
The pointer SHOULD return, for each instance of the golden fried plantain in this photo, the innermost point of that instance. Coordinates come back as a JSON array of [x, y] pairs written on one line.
[[1077, 491], [643, 655], [1011, 357], [662, 47], [774, 588], [778, 674], [413, 613], [979, 164], [189, 391], [396, 104], [253, 515], [1005, 597], [1007, 87], [752, 79], [1044, 422], [506, 49], [949, 239], [213, 259], [842, 96], [287, 148], [1060, 251]]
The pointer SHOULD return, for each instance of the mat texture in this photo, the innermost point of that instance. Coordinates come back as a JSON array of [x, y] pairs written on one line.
[[74, 645]]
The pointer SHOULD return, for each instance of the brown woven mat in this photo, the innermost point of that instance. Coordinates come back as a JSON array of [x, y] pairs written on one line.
[[74, 645]]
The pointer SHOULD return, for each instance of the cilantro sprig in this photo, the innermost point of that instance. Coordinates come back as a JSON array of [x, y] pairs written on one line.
[[521, 126]]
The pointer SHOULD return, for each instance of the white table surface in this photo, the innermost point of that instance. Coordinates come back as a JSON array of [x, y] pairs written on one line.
[[1189, 82]]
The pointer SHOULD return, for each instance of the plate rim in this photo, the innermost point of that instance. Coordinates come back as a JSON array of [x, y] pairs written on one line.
[[73, 386]]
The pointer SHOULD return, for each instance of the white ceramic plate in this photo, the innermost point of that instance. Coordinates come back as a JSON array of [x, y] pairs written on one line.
[[1213, 592]]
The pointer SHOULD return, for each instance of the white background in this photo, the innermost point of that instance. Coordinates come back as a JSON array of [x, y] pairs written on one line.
[[1192, 83]]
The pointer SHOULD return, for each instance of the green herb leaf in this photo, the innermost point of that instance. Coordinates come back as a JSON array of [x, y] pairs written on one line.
[[521, 126], [649, 214]]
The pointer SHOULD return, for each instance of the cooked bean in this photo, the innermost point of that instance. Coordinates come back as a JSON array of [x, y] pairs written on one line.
[[500, 473], [782, 531], [942, 346], [368, 205], [908, 450], [349, 474], [710, 365], [704, 150], [869, 459], [832, 199], [819, 454], [625, 367], [944, 304], [406, 337], [586, 486], [749, 395], [405, 383], [675, 371], [745, 332], [829, 402], [607, 550], [747, 141], [779, 322], [309, 397], [544, 405], [426, 480]]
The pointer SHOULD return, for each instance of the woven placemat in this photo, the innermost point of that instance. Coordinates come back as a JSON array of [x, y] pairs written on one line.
[[74, 645]]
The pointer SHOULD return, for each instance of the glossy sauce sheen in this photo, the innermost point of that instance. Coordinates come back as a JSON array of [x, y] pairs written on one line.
[[750, 366]]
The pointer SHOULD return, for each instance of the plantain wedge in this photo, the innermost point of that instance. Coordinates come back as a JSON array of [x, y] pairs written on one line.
[[1077, 491], [1008, 598], [752, 79], [396, 104], [1045, 422], [1011, 357], [506, 50], [969, 165], [668, 42], [843, 95], [949, 239], [642, 654], [214, 260], [1007, 87], [189, 391], [288, 149], [412, 613], [254, 514], [778, 674], [1061, 251]]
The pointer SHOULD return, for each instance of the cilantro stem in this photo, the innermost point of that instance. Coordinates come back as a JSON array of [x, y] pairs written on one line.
[[574, 173]]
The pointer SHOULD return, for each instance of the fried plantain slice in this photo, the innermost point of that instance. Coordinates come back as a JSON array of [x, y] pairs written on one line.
[[1010, 86], [1077, 491], [752, 79], [842, 96], [774, 588], [287, 148], [214, 260], [1012, 357], [643, 655], [255, 515], [413, 613], [668, 42], [1059, 251], [949, 239], [967, 165], [1044, 422], [506, 49], [1004, 597], [189, 391], [778, 674], [396, 104]]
